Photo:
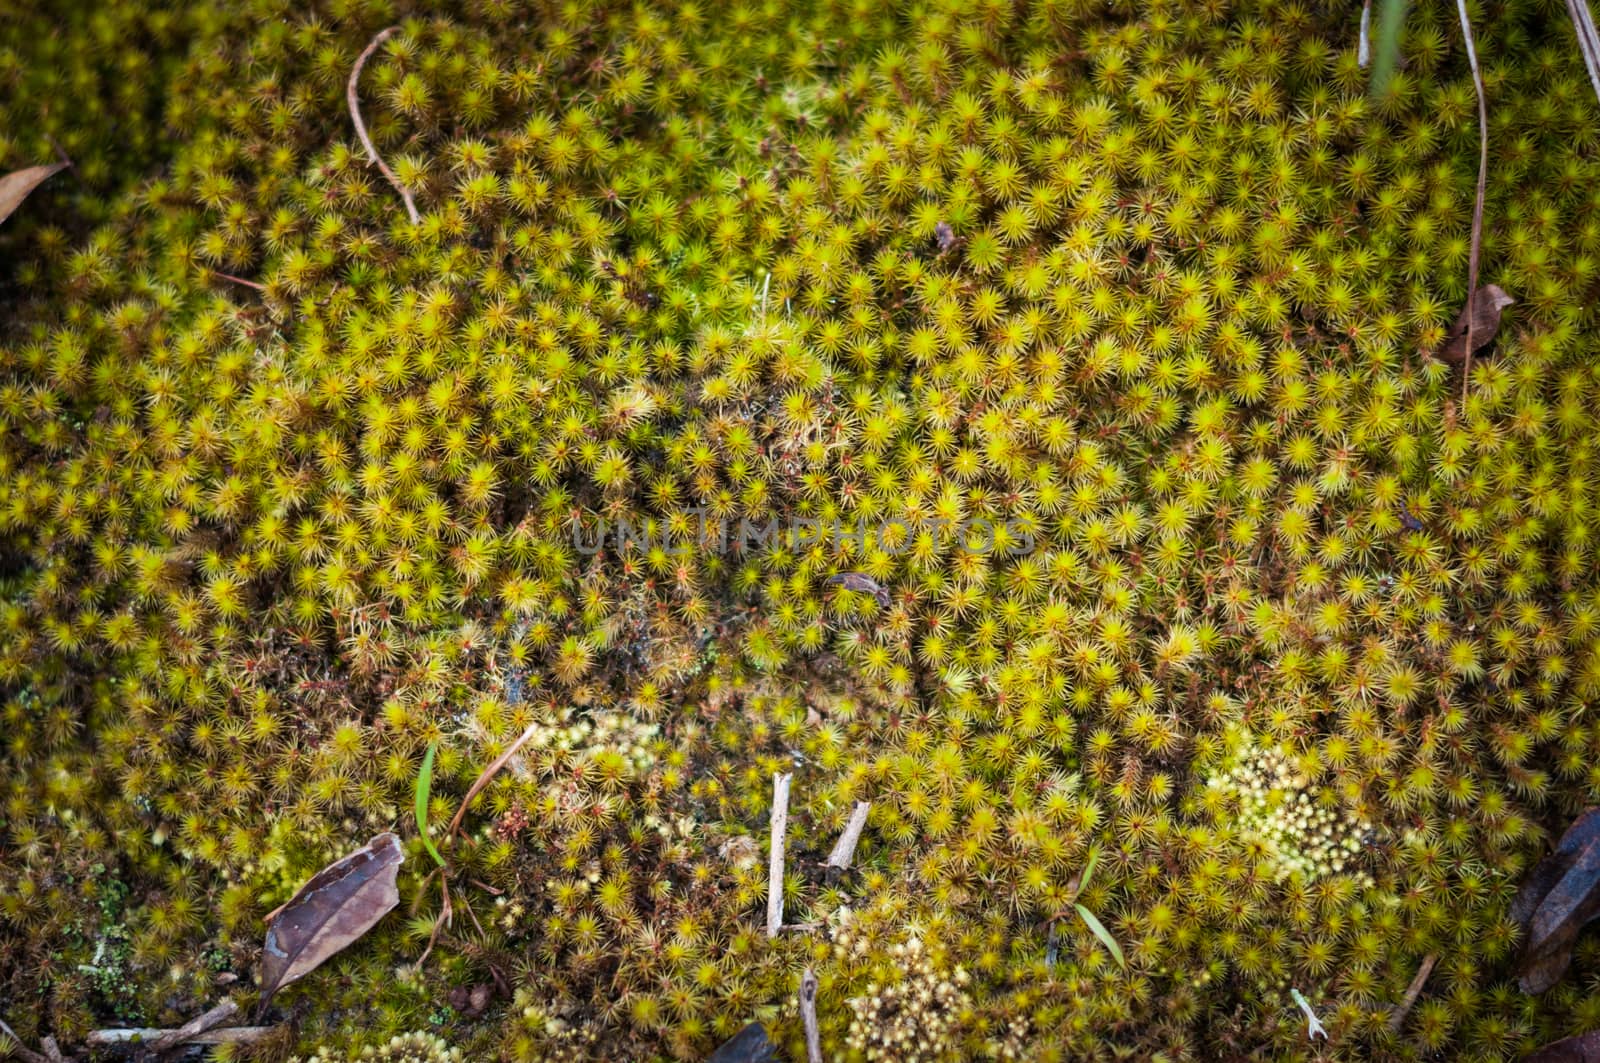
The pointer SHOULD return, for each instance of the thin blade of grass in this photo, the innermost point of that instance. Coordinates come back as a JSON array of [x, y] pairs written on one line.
[[1088, 869], [1098, 930], [424, 795], [1386, 44]]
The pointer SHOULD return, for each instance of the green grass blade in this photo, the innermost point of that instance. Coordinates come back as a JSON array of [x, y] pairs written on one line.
[[424, 795], [1088, 870], [1386, 43], [1103, 934]]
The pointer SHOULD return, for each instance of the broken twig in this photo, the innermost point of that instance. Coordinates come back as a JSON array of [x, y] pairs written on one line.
[[21, 1049], [780, 827], [209, 1021], [808, 1016], [226, 1035], [845, 849], [361, 127], [1397, 1017]]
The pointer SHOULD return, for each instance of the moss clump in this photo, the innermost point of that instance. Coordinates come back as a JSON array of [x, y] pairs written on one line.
[[990, 411], [911, 1016], [1304, 828], [415, 1047]]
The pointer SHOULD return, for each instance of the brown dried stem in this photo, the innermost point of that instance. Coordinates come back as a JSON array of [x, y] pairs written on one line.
[[488, 774], [361, 127], [1397, 1017]]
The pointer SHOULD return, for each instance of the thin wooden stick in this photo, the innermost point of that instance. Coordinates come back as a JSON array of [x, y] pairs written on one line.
[[361, 127], [1477, 206], [209, 1021], [240, 280], [780, 827], [808, 1016], [1397, 1017], [845, 849], [227, 1035]]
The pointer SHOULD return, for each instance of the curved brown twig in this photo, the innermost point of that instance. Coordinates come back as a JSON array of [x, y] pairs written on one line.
[[361, 127], [489, 773]]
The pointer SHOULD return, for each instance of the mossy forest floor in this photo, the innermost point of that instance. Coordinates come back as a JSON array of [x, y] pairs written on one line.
[[1069, 381]]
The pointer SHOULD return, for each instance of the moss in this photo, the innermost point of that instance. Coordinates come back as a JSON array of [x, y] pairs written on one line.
[[1096, 344], [413, 1047]]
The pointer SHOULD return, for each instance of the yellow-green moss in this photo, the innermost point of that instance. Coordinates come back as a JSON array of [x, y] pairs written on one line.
[[1152, 291]]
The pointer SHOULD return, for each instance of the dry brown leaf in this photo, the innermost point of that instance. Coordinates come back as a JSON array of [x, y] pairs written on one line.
[[15, 187], [1584, 1048], [750, 1045], [1559, 896], [337, 906], [862, 583], [1487, 306]]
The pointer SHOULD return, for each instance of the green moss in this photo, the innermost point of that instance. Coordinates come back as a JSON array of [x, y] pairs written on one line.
[[1100, 339]]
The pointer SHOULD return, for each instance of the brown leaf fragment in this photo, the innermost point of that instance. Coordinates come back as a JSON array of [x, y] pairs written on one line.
[[1487, 305], [334, 908], [750, 1045], [16, 186], [1584, 1048], [1558, 898], [862, 584]]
